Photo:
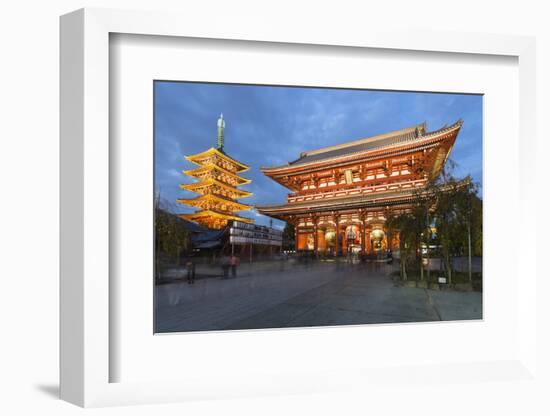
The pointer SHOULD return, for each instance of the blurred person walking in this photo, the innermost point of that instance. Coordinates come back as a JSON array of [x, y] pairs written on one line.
[[225, 262], [235, 262]]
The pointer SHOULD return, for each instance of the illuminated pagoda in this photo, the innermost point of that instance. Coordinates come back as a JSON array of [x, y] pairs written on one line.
[[217, 186], [342, 195]]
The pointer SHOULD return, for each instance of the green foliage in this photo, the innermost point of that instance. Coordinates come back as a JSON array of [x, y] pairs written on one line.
[[409, 227], [477, 226], [288, 237], [171, 235], [458, 215], [456, 211], [413, 229]]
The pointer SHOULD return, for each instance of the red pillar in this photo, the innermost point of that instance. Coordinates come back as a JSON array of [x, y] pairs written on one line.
[[337, 234], [296, 237], [315, 237], [363, 235]]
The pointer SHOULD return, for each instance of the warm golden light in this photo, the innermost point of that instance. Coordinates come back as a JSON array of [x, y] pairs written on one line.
[[217, 188]]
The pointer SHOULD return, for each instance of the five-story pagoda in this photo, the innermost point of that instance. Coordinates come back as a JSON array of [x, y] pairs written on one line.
[[218, 183]]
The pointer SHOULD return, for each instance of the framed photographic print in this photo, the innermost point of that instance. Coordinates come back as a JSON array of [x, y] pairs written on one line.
[[274, 213], [375, 229]]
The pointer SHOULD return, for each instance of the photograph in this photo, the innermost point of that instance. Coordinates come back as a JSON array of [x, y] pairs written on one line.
[[271, 208], [295, 207]]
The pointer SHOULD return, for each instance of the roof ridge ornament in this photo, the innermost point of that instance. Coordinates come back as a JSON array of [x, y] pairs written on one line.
[[420, 130]]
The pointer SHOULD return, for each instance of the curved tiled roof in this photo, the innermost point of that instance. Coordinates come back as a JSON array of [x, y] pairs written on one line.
[[362, 145], [375, 144]]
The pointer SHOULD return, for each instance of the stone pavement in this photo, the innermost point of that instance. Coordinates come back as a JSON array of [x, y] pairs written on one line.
[[300, 295]]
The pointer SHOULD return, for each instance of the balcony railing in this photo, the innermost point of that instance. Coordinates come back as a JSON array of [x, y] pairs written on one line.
[[299, 197]]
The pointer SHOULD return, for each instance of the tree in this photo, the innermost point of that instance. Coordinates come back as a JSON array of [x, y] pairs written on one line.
[[413, 229], [157, 243], [406, 225], [457, 216], [456, 211], [469, 214], [171, 235], [289, 241], [445, 222]]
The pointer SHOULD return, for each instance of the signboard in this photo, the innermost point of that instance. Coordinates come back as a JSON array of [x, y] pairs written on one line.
[[243, 233]]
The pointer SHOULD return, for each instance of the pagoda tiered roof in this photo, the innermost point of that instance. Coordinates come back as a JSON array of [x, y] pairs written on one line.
[[217, 172], [219, 158], [217, 186], [214, 219], [212, 185], [211, 201]]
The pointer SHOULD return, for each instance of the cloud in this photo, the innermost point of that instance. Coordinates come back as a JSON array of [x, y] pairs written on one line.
[[270, 126]]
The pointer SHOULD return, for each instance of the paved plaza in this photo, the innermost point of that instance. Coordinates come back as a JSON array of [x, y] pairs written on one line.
[[288, 294]]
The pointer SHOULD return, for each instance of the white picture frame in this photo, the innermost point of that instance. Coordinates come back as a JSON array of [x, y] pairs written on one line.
[[85, 211]]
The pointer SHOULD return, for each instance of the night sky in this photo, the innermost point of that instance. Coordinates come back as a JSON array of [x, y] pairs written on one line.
[[270, 126]]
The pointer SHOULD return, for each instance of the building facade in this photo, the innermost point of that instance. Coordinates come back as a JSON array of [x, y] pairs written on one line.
[[341, 196]]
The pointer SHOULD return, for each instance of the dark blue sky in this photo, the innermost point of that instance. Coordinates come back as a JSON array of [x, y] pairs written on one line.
[[268, 126]]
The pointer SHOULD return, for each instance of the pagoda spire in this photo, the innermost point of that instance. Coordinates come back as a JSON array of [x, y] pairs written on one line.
[[221, 128]]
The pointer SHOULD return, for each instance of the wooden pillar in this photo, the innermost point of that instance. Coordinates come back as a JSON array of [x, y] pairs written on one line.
[[344, 241], [337, 235], [322, 243], [296, 225], [363, 234], [315, 236]]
